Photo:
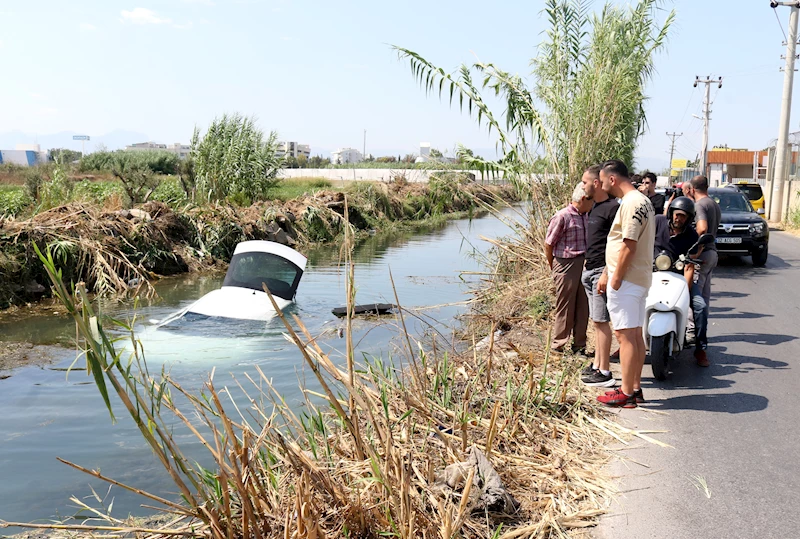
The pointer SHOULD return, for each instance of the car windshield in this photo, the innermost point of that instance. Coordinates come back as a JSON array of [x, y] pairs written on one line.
[[732, 202], [253, 269], [753, 192]]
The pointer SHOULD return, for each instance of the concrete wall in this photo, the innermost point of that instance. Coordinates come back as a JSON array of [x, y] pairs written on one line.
[[793, 195], [369, 174]]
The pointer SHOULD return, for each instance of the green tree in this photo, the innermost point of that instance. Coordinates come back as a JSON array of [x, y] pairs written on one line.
[[587, 102], [319, 162], [234, 159], [64, 155], [436, 154]]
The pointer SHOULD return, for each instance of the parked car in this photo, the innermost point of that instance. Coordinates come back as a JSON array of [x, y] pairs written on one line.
[[753, 192], [742, 230]]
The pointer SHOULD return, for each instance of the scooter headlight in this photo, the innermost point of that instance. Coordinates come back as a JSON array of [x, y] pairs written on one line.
[[679, 265], [663, 262]]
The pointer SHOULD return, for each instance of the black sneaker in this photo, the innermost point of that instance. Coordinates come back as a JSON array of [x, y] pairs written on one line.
[[588, 370], [598, 379]]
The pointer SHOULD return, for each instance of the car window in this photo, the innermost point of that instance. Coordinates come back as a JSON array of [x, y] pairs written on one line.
[[753, 192], [732, 202]]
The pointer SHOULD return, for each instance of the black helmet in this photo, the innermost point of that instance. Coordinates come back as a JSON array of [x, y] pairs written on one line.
[[685, 204]]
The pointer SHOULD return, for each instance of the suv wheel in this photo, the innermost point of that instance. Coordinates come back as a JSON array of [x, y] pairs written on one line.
[[760, 257]]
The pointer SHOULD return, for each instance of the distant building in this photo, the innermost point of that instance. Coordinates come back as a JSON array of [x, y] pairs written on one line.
[[293, 149], [343, 156], [424, 153], [182, 150], [25, 155]]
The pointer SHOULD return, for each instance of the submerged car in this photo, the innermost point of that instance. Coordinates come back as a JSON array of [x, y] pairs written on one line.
[[742, 230], [254, 264]]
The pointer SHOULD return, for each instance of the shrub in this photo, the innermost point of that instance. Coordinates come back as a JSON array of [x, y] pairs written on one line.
[[158, 161], [170, 192], [13, 201], [96, 192], [233, 157], [57, 191]]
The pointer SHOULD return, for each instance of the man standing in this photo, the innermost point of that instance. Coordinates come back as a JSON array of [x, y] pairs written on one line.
[[601, 216], [565, 248], [683, 237], [707, 218], [629, 266], [649, 183]]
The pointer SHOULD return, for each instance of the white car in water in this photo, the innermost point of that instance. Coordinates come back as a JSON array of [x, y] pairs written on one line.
[[254, 264]]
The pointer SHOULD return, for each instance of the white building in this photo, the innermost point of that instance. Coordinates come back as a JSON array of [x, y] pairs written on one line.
[[26, 155], [424, 153], [293, 149], [182, 150], [342, 156]]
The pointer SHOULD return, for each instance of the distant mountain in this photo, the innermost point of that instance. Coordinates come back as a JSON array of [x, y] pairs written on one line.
[[114, 140]]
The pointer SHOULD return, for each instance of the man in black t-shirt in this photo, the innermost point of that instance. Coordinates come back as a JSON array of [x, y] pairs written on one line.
[[649, 189], [601, 217], [682, 238]]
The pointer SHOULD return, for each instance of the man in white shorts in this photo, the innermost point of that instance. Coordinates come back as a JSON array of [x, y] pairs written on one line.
[[629, 269]]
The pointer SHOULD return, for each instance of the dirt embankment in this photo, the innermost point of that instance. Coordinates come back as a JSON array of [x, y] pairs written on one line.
[[115, 251]]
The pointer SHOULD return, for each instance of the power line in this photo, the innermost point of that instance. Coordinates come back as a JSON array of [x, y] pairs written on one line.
[[775, 11], [672, 136]]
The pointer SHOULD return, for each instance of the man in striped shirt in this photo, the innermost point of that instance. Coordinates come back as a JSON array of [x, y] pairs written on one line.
[[565, 248]]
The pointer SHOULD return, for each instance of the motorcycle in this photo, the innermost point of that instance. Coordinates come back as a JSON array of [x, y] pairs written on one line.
[[667, 307]]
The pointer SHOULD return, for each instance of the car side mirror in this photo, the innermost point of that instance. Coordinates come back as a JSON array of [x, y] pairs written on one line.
[[761, 211]]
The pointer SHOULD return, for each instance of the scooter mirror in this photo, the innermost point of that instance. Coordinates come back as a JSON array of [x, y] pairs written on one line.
[[705, 239]]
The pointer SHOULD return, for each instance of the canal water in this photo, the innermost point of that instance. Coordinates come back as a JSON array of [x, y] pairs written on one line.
[[46, 413]]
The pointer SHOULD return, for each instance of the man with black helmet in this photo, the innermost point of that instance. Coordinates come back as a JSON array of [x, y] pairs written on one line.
[[681, 213]]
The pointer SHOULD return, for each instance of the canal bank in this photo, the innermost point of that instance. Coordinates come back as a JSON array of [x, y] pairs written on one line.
[[116, 251]]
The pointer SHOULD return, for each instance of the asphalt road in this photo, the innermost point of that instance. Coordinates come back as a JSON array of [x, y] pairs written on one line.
[[733, 426]]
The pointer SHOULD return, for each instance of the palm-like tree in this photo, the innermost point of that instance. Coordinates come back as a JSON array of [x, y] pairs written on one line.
[[587, 102]]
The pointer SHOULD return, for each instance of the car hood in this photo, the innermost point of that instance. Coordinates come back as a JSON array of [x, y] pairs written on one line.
[[740, 217]]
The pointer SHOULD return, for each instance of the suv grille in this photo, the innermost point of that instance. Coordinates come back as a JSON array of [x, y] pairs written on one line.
[[733, 228]]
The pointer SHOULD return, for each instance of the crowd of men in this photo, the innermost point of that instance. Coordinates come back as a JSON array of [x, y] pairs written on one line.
[[600, 249]]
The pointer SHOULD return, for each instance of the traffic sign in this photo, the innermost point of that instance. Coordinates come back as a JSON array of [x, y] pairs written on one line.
[[81, 137]]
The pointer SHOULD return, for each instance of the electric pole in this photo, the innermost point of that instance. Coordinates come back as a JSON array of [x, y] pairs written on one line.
[[673, 136], [706, 113], [782, 157], [365, 145]]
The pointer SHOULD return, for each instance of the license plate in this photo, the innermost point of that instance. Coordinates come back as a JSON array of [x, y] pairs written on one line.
[[729, 240]]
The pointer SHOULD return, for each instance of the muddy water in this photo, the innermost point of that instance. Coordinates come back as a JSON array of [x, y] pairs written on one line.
[[47, 413]]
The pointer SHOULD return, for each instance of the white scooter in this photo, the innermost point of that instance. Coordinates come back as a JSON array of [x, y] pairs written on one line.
[[667, 308]]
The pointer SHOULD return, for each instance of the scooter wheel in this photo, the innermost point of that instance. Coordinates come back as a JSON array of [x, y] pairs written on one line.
[[659, 355]]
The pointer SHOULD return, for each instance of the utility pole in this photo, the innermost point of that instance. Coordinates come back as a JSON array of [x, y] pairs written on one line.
[[782, 157], [365, 145], [673, 136], [706, 113]]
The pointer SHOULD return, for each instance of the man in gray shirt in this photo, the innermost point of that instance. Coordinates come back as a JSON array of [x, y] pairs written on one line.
[[707, 218]]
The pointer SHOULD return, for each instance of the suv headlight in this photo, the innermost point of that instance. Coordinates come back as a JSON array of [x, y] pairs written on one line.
[[758, 229]]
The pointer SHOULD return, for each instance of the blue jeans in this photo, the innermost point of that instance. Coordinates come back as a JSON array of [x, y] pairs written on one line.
[[700, 315]]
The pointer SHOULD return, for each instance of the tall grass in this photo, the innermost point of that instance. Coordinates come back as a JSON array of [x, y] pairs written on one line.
[[233, 158]]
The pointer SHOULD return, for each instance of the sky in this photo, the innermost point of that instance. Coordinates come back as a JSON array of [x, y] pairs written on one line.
[[321, 73]]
